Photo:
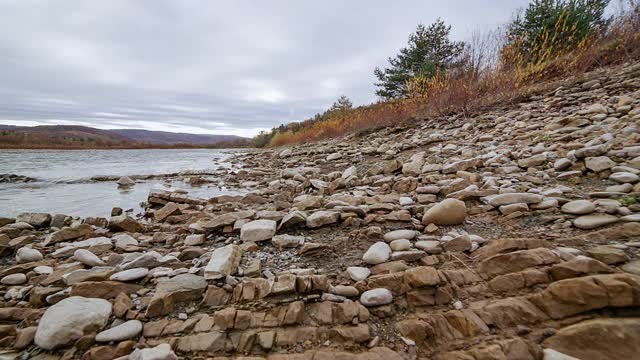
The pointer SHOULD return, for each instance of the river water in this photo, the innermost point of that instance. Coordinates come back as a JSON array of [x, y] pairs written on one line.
[[65, 180]]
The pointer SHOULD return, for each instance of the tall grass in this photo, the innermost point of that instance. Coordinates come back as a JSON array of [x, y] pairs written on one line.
[[493, 73]]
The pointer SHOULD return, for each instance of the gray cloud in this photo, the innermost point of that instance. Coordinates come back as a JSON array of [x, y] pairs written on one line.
[[230, 67]]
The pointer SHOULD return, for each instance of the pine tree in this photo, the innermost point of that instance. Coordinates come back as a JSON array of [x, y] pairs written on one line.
[[429, 52]]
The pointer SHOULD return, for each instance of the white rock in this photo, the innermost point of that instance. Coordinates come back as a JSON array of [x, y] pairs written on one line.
[[87, 257], [512, 198], [224, 261], [258, 230], [123, 240], [349, 172], [376, 297], [193, 240], [400, 234], [400, 245], [26, 254], [126, 330], [550, 354], [334, 156], [68, 320], [358, 273], [43, 270], [323, 217], [287, 241], [14, 279], [578, 207], [130, 275], [377, 253], [429, 246], [160, 352]]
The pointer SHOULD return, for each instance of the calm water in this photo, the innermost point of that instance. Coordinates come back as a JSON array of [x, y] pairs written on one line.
[[63, 178]]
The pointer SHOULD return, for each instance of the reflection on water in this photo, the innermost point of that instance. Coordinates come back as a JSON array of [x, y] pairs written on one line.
[[63, 188]]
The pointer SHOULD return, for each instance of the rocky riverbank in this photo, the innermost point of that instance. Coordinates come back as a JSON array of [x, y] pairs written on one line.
[[508, 234]]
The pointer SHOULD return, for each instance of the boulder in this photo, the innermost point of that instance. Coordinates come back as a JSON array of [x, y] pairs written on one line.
[[400, 234], [376, 297], [258, 230], [611, 339], [68, 233], [87, 257], [25, 255], [587, 222], [224, 261], [578, 207], [125, 223], [321, 218], [69, 320], [377, 253], [127, 330], [160, 352], [447, 212], [125, 181], [37, 220], [172, 291], [512, 198]]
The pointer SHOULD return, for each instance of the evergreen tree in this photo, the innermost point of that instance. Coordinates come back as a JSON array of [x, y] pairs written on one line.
[[429, 52]]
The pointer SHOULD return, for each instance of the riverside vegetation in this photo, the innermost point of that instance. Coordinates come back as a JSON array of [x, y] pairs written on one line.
[[509, 232]]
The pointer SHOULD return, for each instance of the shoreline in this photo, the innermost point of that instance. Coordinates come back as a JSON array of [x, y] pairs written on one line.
[[507, 236]]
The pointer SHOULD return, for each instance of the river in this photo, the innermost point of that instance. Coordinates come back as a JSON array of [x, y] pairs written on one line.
[[64, 181]]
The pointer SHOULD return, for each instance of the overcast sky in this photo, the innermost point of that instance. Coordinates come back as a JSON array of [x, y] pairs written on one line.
[[221, 67]]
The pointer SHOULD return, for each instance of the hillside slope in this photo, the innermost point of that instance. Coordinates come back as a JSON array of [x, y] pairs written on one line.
[[83, 137]]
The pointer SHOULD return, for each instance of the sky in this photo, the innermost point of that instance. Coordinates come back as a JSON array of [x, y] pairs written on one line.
[[213, 67]]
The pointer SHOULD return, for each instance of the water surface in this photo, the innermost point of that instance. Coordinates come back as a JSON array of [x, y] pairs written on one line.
[[64, 179]]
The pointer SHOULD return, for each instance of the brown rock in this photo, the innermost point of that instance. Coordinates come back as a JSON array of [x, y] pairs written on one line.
[[612, 339], [516, 261], [171, 292], [103, 289]]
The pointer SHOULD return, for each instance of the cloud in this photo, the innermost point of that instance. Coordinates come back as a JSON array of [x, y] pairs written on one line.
[[206, 67]]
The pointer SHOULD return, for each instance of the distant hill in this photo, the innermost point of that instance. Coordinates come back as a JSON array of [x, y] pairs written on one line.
[[163, 137], [83, 137]]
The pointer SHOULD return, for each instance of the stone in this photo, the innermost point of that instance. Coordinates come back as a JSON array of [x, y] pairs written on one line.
[[224, 261], [578, 207], [614, 339], [624, 177], [588, 222], [125, 223], [429, 246], [321, 218], [400, 245], [376, 297], [608, 255], [130, 274], [550, 354], [69, 320], [87, 257], [421, 276], [377, 253], [501, 264], [167, 210], [194, 240], [287, 241], [171, 292], [258, 230], [14, 279], [460, 243], [160, 352], [124, 241], [446, 212], [37, 220], [513, 198], [632, 267], [68, 233], [26, 254], [599, 163], [399, 234], [357, 273], [125, 181], [127, 330]]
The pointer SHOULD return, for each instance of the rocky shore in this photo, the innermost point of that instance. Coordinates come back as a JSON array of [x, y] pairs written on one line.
[[509, 234]]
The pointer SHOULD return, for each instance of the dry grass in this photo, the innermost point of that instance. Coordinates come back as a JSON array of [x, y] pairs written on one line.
[[481, 83]]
